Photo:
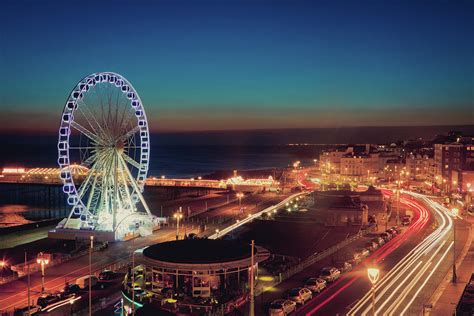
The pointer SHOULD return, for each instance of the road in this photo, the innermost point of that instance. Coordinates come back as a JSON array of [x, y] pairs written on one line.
[[411, 268]]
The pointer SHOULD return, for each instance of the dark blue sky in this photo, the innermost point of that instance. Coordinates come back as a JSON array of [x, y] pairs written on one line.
[[201, 65]]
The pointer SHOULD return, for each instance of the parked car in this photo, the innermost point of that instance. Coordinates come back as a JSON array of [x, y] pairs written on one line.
[[357, 257], [83, 282], [372, 245], [379, 240], [396, 229], [281, 307], [24, 311], [406, 220], [330, 274], [47, 299], [315, 284], [386, 236], [392, 232], [107, 275], [345, 266], [300, 295], [363, 252], [69, 290]]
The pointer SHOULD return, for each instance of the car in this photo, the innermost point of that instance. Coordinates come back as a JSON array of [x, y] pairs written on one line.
[[69, 290], [300, 295], [315, 284], [330, 274], [281, 307], [372, 245], [406, 221], [386, 236], [24, 310], [107, 275], [345, 266], [396, 229], [392, 232], [363, 252], [357, 257], [83, 282], [379, 240], [47, 299]]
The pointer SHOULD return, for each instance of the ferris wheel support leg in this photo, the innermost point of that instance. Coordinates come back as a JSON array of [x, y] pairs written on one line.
[[135, 186]]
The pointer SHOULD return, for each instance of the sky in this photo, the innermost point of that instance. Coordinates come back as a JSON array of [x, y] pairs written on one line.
[[224, 65]]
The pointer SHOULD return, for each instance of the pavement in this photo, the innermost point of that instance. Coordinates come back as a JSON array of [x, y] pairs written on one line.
[[447, 295]]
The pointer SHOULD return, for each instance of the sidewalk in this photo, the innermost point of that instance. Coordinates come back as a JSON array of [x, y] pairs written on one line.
[[449, 293]]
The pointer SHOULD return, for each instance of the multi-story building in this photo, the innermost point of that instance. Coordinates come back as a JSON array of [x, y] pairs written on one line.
[[360, 166], [420, 166], [448, 158]]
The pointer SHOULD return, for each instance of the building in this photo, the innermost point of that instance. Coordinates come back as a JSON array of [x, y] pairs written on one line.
[[450, 158], [197, 274], [360, 166], [341, 208], [420, 166]]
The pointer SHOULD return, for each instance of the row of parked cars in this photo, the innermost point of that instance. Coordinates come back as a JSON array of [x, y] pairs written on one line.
[[69, 291], [315, 285], [301, 295]]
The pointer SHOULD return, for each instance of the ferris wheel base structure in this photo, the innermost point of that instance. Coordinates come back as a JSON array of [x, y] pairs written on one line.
[[102, 236], [104, 128]]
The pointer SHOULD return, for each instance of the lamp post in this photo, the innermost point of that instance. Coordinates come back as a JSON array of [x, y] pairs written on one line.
[[252, 276], [90, 275], [373, 277], [3, 264], [178, 215], [42, 261], [240, 195], [455, 214], [71, 302], [217, 232]]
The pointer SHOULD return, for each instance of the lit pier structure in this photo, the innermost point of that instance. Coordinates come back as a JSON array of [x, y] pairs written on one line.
[[52, 176]]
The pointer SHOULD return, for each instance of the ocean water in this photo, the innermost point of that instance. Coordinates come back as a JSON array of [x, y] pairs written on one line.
[[201, 153]]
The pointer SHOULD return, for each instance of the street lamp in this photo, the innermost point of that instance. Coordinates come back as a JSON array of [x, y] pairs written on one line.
[[71, 302], [455, 212], [373, 277], [240, 195], [42, 260], [178, 216], [90, 274], [217, 232]]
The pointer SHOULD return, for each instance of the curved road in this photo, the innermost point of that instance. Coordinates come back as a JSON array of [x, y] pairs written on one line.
[[407, 264]]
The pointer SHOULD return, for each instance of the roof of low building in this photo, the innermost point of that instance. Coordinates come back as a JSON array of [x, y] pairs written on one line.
[[198, 251]]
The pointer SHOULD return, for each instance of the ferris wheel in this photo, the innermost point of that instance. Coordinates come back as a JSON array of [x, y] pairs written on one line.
[[104, 128]]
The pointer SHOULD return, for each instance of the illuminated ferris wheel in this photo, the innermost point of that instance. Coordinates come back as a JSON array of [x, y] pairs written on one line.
[[104, 128]]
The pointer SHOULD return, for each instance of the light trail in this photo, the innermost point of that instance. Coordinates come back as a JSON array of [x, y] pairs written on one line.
[[419, 222], [399, 288], [256, 215]]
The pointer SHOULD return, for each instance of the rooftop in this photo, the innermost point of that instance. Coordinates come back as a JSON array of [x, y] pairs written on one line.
[[198, 251]]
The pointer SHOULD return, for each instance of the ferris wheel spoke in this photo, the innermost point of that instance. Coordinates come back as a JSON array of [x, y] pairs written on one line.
[[134, 184], [90, 118], [130, 133], [95, 138], [129, 159], [93, 170]]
